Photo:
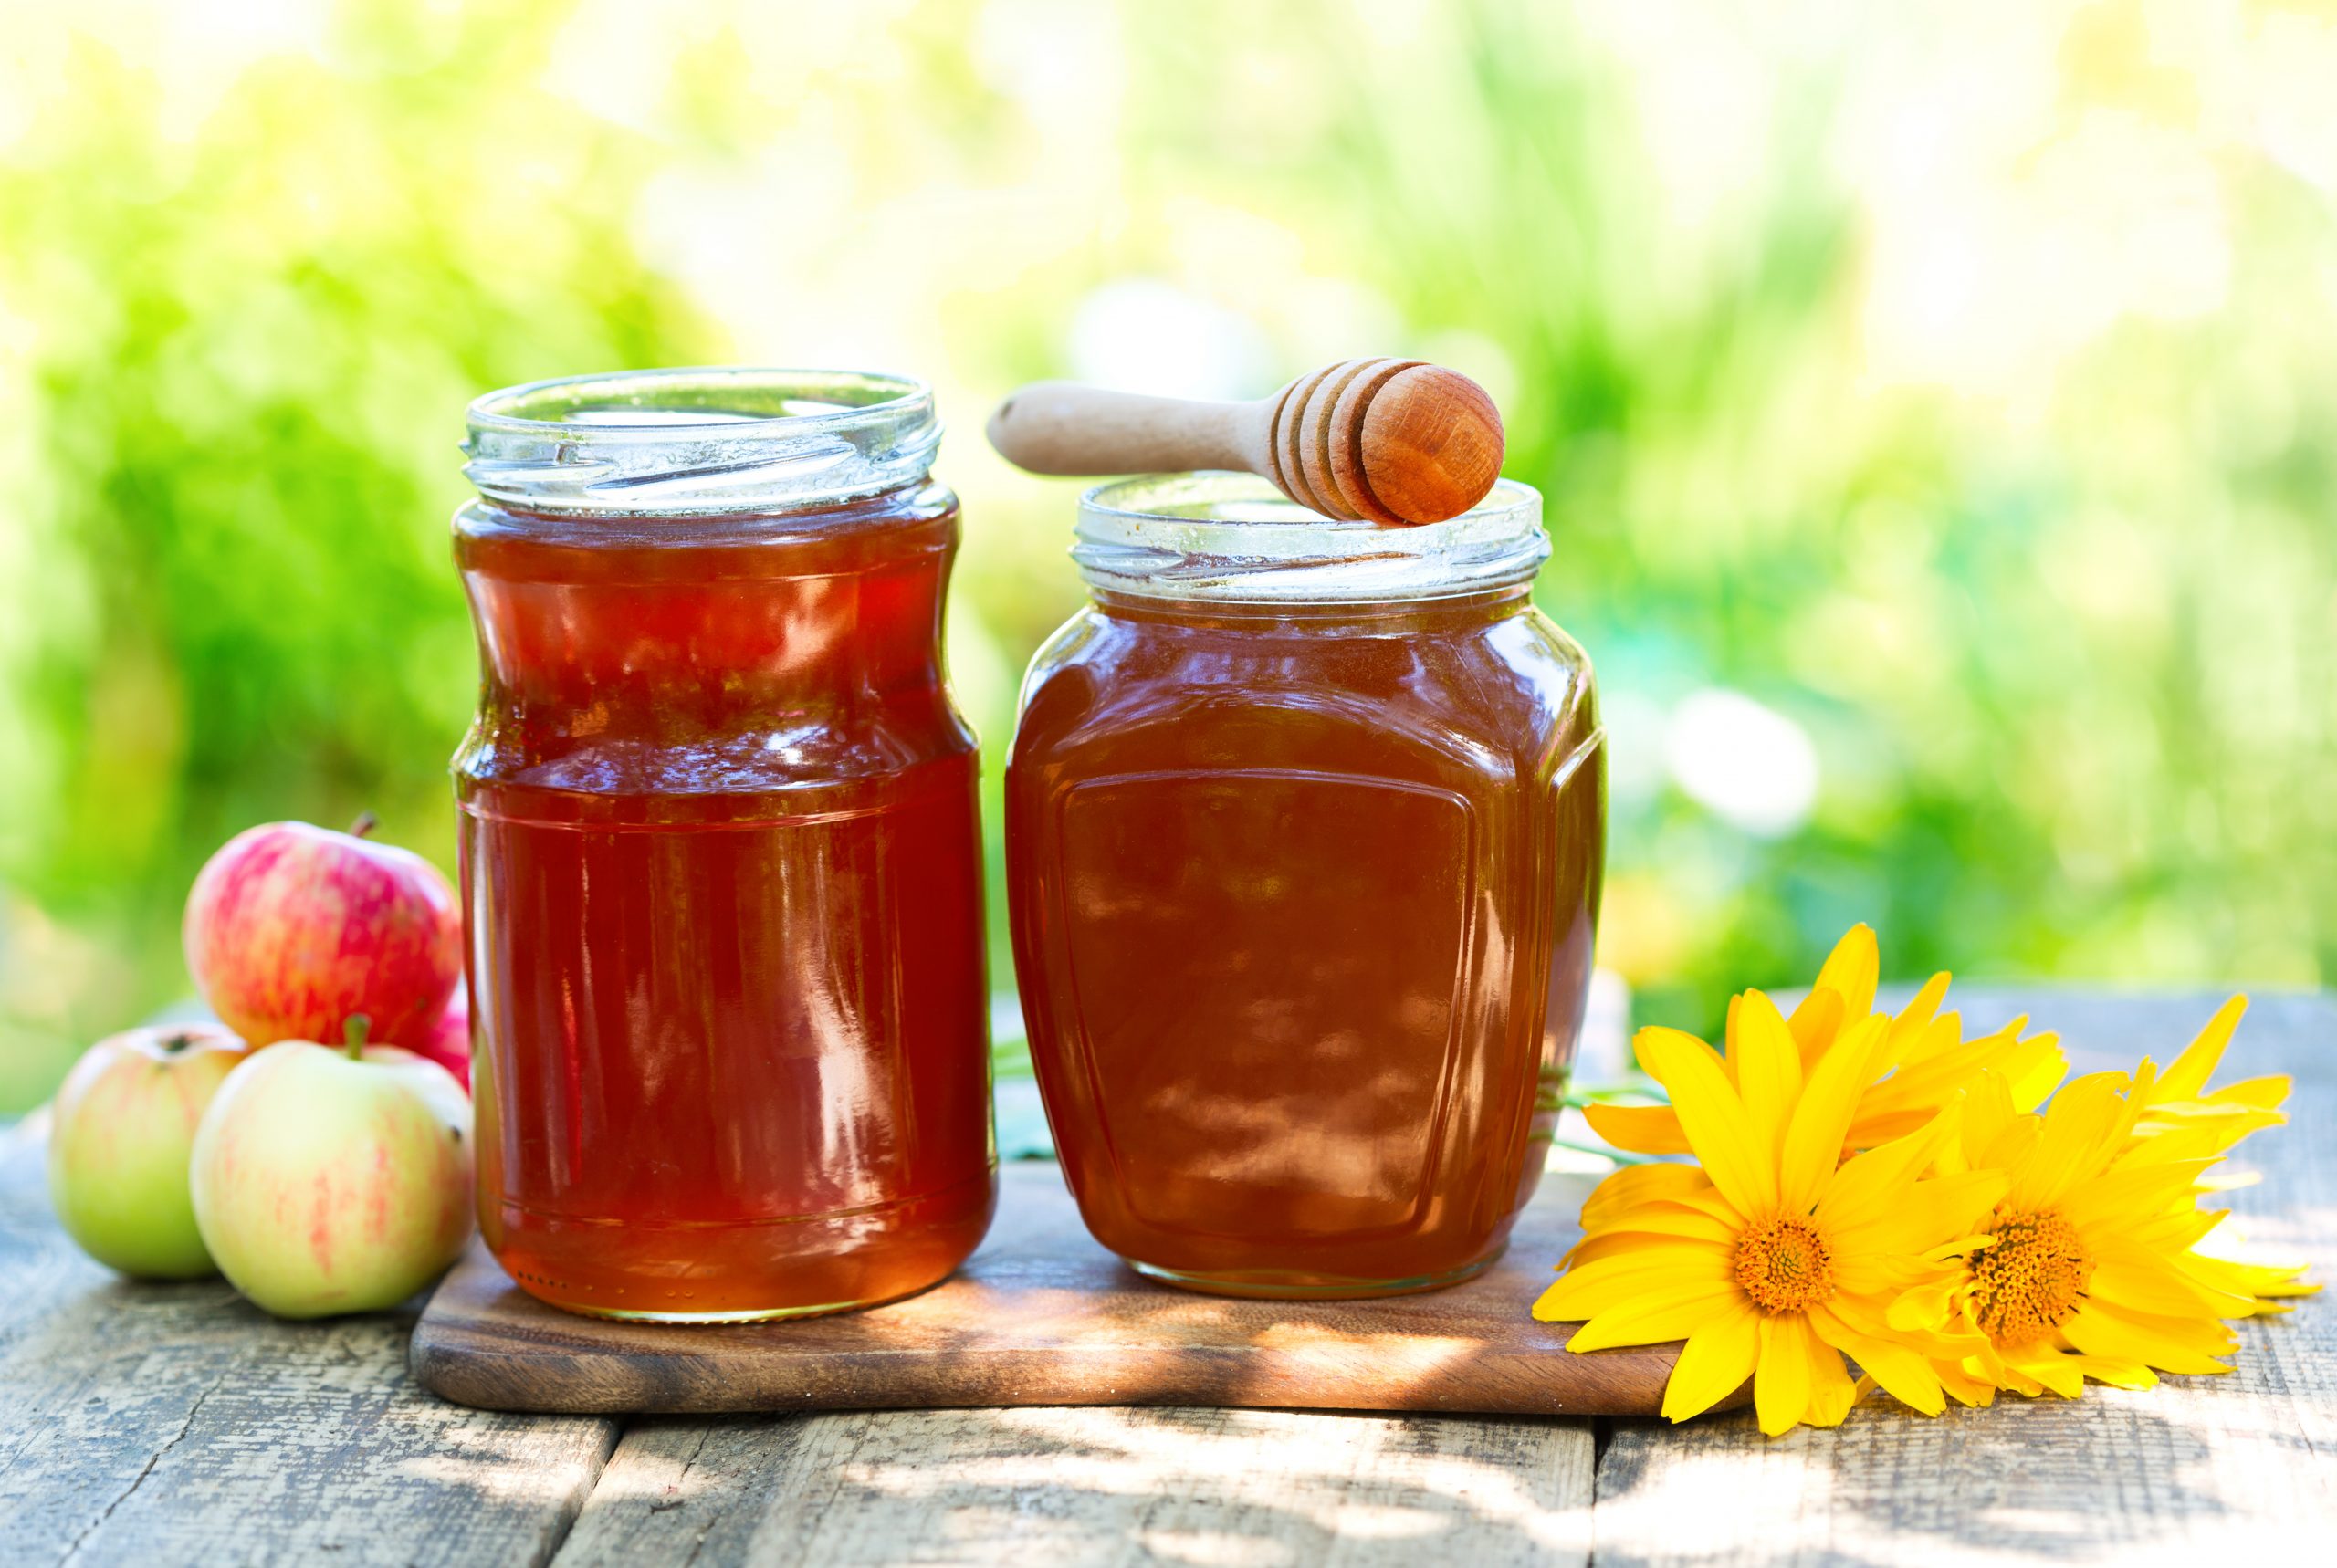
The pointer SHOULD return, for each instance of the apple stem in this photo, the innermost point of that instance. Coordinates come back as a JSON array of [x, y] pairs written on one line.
[[354, 1032], [365, 824]]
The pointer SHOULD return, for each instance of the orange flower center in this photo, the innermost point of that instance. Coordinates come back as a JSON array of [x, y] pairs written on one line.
[[2029, 1281], [1784, 1264]]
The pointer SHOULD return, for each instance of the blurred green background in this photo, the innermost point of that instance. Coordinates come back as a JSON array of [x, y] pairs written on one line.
[[1934, 403]]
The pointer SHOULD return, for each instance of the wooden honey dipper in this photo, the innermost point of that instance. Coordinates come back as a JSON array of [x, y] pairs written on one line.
[[1392, 441]]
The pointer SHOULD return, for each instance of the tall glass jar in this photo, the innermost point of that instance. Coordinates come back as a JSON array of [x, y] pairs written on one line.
[[1304, 829], [721, 868]]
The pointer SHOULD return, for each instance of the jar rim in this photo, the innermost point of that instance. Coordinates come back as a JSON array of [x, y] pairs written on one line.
[[1216, 535], [699, 439]]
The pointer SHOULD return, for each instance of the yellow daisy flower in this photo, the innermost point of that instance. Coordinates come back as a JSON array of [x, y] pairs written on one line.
[[1927, 1061], [2269, 1287], [2089, 1267], [1776, 1259], [2184, 1119], [2180, 1106]]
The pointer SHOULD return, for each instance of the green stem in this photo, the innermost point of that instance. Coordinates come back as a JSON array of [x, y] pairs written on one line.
[[353, 1031], [1618, 1094], [1621, 1156]]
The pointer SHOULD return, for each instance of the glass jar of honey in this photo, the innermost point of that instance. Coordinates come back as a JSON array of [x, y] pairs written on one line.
[[720, 863], [1304, 834]]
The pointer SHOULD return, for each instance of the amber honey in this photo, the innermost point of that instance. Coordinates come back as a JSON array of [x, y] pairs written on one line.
[[1304, 894], [722, 877]]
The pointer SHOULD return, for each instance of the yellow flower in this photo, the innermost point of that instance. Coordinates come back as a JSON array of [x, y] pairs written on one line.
[[1778, 1258], [2180, 1108], [2089, 1269], [1927, 1062], [2182, 1118]]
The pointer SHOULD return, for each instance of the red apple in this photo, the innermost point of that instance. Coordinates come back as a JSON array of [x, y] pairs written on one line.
[[293, 930], [449, 1041], [333, 1181], [118, 1146]]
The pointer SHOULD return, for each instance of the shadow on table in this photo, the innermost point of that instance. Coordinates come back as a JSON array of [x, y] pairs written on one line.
[[2116, 1476], [1080, 1485]]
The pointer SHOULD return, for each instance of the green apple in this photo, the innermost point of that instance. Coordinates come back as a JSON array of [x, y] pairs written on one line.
[[124, 1123], [334, 1180]]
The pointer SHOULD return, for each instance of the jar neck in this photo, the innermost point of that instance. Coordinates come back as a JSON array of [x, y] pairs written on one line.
[[1394, 617], [671, 627]]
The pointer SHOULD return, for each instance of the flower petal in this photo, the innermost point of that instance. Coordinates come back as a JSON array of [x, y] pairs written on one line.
[[2265, 1093], [1831, 1392], [1768, 1072], [2170, 1345], [1674, 1313], [2085, 1123], [1923, 1216], [2133, 1277], [1988, 1111], [1667, 1043], [1851, 970], [1592, 1287], [1865, 1187], [1634, 1185], [1712, 1114], [1713, 1365], [1904, 1374], [1813, 1144], [2131, 1195], [2186, 1076], [1963, 1384], [1915, 1019], [1650, 1222], [1816, 1022], [2043, 1366], [2036, 1068], [1640, 1129], [1781, 1380]]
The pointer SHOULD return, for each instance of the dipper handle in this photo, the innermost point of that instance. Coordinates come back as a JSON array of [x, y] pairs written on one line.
[[1066, 428], [1395, 442]]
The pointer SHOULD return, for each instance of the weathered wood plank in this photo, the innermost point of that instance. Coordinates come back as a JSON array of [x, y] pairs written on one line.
[[145, 1423], [1033, 1488], [1042, 1315], [2232, 1469]]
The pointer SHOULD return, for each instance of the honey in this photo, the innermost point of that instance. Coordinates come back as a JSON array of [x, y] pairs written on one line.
[[721, 859], [1305, 841]]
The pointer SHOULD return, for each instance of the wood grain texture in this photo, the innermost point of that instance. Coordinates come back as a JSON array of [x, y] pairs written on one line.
[[1034, 1489], [1428, 446], [158, 1424], [2201, 1469], [1044, 1315]]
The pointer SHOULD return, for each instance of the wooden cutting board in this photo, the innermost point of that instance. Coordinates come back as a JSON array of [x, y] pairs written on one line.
[[1043, 1315]]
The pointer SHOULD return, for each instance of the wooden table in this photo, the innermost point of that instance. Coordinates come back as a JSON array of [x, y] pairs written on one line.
[[167, 1424]]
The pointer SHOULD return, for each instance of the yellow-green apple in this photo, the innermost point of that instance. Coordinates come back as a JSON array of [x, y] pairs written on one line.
[[334, 1180], [293, 930], [118, 1145], [449, 1041]]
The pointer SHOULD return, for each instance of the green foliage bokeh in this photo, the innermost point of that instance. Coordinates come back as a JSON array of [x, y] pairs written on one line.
[[2065, 659]]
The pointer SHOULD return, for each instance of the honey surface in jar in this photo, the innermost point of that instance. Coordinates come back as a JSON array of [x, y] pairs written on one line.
[[1303, 901], [722, 876]]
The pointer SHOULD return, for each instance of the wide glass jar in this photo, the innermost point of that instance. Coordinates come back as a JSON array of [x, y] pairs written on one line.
[[1305, 828], [721, 867]]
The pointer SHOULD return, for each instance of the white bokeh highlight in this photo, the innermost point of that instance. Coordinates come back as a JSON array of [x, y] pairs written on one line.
[[1744, 761]]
